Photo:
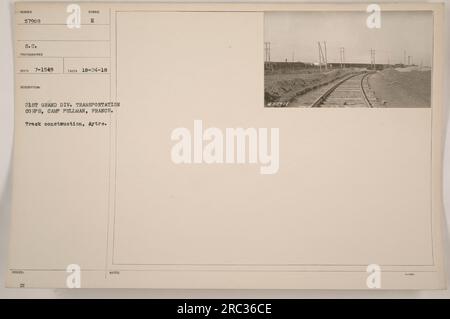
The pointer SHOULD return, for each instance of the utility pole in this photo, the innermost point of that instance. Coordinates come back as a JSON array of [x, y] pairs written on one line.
[[322, 56], [372, 58], [267, 51], [374, 62], [342, 56]]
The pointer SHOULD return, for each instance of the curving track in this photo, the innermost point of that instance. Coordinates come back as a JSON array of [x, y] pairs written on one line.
[[353, 91]]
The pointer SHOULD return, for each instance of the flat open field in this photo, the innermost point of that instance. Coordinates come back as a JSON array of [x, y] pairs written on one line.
[[407, 87]]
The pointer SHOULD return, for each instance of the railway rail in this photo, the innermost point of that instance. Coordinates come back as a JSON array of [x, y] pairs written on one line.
[[352, 91]]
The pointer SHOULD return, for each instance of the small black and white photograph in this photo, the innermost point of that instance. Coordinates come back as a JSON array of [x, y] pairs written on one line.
[[348, 59]]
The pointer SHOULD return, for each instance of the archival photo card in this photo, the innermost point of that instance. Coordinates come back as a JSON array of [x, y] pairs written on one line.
[[146, 156], [348, 59]]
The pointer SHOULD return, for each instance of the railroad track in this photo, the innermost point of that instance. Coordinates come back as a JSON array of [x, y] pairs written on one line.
[[352, 91]]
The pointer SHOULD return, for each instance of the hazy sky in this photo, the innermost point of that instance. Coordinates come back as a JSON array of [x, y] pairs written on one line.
[[299, 32]]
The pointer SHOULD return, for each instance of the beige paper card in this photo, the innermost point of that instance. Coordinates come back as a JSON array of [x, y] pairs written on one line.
[[227, 146]]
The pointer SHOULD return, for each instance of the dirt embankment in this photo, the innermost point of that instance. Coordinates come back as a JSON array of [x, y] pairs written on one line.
[[406, 88], [285, 87]]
